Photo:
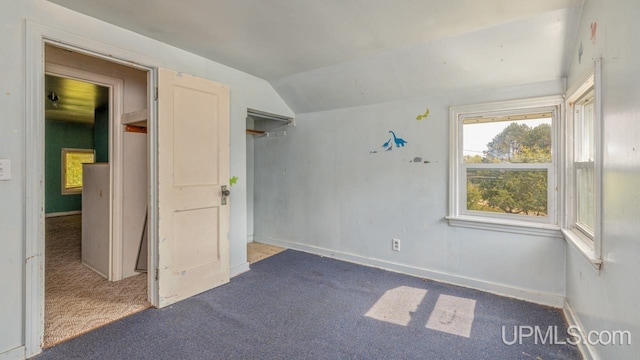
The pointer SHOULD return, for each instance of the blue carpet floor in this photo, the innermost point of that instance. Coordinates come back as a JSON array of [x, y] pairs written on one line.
[[300, 306]]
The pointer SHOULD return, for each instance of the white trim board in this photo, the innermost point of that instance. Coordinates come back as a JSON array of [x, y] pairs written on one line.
[[63, 213], [236, 270], [587, 351], [542, 298]]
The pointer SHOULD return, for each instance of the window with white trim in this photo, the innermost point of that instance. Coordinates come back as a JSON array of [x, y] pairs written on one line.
[[582, 170], [503, 165]]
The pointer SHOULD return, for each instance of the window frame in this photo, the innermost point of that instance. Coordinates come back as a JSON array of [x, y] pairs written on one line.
[[458, 214], [588, 245], [63, 170]]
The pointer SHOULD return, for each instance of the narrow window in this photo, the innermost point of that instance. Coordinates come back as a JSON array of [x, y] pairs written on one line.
[[584, 164], [582, 170]]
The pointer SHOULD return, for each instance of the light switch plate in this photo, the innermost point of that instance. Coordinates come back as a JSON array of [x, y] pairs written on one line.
[[5, 169]]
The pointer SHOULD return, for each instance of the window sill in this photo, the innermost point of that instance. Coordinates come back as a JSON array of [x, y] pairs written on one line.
[[583, 248], [502, 225]]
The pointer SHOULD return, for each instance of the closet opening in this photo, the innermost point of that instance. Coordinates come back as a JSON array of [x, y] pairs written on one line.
[[260, 125]]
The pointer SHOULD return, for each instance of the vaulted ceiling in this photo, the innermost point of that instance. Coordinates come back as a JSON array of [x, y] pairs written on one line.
[[325, 54]]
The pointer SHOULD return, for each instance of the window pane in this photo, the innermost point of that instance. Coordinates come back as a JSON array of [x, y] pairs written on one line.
[[74, 161], [521, 141], [584, 137], [586, 216], [521, 192]]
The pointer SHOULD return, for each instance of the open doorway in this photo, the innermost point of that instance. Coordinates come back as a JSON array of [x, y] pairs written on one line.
[[188, 244], [95, 224], [260, 126]]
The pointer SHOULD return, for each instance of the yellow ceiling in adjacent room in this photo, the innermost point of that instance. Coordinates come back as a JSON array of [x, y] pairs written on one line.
[[76, 100]]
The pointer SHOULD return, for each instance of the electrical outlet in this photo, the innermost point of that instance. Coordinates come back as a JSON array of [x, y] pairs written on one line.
[[395, 244]]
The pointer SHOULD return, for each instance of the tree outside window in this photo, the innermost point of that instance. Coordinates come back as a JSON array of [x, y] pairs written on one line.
[[510, 190], [72, 160]]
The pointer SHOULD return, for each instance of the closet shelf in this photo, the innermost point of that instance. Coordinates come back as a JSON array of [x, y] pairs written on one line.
[[255, 132], [263, 123], [135, 118], [269, 134]]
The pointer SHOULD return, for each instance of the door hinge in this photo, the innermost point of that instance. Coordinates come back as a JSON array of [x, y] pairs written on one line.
[[156, 274], [155, 96]]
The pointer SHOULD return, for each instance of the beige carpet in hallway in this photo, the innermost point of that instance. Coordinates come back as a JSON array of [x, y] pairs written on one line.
[[258, 251], [77, 299]]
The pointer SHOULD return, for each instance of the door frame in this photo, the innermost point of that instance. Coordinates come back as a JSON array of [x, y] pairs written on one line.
[[116, 94], [36, 37]]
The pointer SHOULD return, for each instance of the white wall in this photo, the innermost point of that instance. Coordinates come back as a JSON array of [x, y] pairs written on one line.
[[609, 300], [321, 189], [246, 91]]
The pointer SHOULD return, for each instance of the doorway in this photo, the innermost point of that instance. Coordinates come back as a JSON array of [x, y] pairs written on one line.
[[260, 126], [92, 276], [192, 111]]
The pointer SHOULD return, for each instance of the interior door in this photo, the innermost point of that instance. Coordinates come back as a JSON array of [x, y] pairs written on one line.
[[193, 165]]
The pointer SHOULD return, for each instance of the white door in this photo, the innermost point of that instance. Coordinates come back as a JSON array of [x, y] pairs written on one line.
[[193, 165]]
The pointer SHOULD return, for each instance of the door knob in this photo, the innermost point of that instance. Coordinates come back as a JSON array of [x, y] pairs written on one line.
[[225, 193]]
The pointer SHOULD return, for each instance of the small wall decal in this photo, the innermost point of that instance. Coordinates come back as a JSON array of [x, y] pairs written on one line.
[[594, 29], [423, 116], [233, 180], [418, 159], [399, 142], [580, 51], [389, 144]]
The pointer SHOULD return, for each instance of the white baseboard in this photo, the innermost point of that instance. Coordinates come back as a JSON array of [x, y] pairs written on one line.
[[537, 297], [249, 238], [63, 213], [14, 354], [588, 352], [239, 269]]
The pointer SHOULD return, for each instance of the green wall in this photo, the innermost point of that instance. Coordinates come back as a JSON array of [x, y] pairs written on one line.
[[60, 135], [101, 134]]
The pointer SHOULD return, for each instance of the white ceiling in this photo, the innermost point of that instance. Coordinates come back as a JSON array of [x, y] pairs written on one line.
[[298, 45], [526, 51]]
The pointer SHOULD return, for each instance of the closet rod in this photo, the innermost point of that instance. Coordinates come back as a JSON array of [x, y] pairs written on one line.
[[262, 115]]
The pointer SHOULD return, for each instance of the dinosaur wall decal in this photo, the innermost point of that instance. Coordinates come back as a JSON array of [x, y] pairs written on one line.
[[423, 116], [399, 142]]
